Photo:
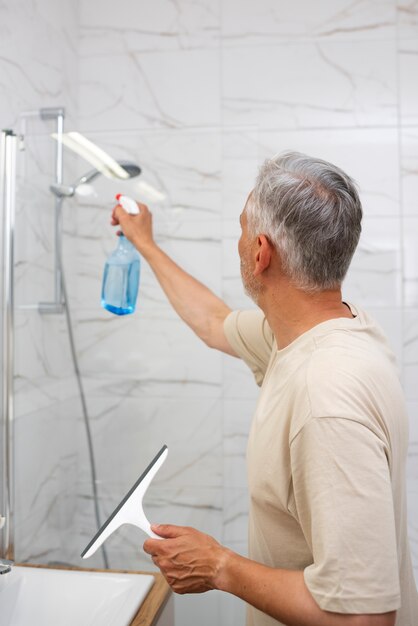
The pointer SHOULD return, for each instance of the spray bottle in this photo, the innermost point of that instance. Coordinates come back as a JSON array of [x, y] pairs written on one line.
[[121, 272]]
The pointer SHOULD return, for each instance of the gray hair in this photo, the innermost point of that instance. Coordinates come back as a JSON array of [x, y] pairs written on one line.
[[311, 212]]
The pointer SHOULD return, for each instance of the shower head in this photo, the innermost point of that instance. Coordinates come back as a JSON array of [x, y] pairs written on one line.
[[130, 168], [68, 191]]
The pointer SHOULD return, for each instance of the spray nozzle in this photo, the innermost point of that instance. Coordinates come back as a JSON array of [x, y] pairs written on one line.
[[128, 204]]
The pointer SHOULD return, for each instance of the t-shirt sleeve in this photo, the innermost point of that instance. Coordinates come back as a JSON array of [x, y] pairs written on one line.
[[343, 500], [252, 339]]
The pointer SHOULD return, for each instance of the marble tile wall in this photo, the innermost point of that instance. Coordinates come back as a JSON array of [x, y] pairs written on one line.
[[198, 93], [149, 379], [38, 63], [38, 68]]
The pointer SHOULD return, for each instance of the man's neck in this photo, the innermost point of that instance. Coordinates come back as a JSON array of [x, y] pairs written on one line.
[[291, 312]]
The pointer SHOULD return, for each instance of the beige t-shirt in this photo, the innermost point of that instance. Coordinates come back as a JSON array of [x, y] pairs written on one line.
[[326, 464]]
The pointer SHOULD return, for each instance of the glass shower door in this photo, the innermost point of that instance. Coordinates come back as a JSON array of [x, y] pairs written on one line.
[[40, 403]]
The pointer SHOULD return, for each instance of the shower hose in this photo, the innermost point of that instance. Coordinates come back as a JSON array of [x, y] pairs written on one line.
[[83, 404]]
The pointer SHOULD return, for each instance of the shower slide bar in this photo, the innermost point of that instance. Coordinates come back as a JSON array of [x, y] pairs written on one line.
[[46, 114], [57, 113]]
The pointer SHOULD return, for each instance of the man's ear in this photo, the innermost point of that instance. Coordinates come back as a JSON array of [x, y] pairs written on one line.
[[263, 256]]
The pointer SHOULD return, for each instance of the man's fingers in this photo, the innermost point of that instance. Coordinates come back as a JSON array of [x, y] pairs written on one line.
[[142, 208], [169, 531], [119, 213]]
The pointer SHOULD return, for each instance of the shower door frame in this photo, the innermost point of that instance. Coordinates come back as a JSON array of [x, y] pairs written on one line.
[[7, 207]]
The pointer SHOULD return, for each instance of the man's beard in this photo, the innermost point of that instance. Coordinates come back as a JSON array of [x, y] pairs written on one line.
[[251, 285]]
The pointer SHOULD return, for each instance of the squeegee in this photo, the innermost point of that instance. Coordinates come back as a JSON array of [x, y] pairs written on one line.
[[130, 509]]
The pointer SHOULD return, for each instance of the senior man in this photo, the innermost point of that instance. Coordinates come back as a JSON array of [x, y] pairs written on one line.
[[328, 541]]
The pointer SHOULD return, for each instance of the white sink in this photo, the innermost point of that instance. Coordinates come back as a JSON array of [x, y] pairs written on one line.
[[47, 597]]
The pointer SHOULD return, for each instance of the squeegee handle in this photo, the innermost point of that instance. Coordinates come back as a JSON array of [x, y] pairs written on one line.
[[153, 535]]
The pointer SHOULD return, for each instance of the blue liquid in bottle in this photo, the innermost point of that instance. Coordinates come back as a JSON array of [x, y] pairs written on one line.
[[121, 279]]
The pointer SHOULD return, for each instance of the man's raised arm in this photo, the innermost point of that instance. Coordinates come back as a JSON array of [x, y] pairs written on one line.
[[197, 305]]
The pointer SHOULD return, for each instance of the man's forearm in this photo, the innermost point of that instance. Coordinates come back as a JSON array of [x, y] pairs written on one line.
[[283, 595], [197, 305], [193, 562]]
